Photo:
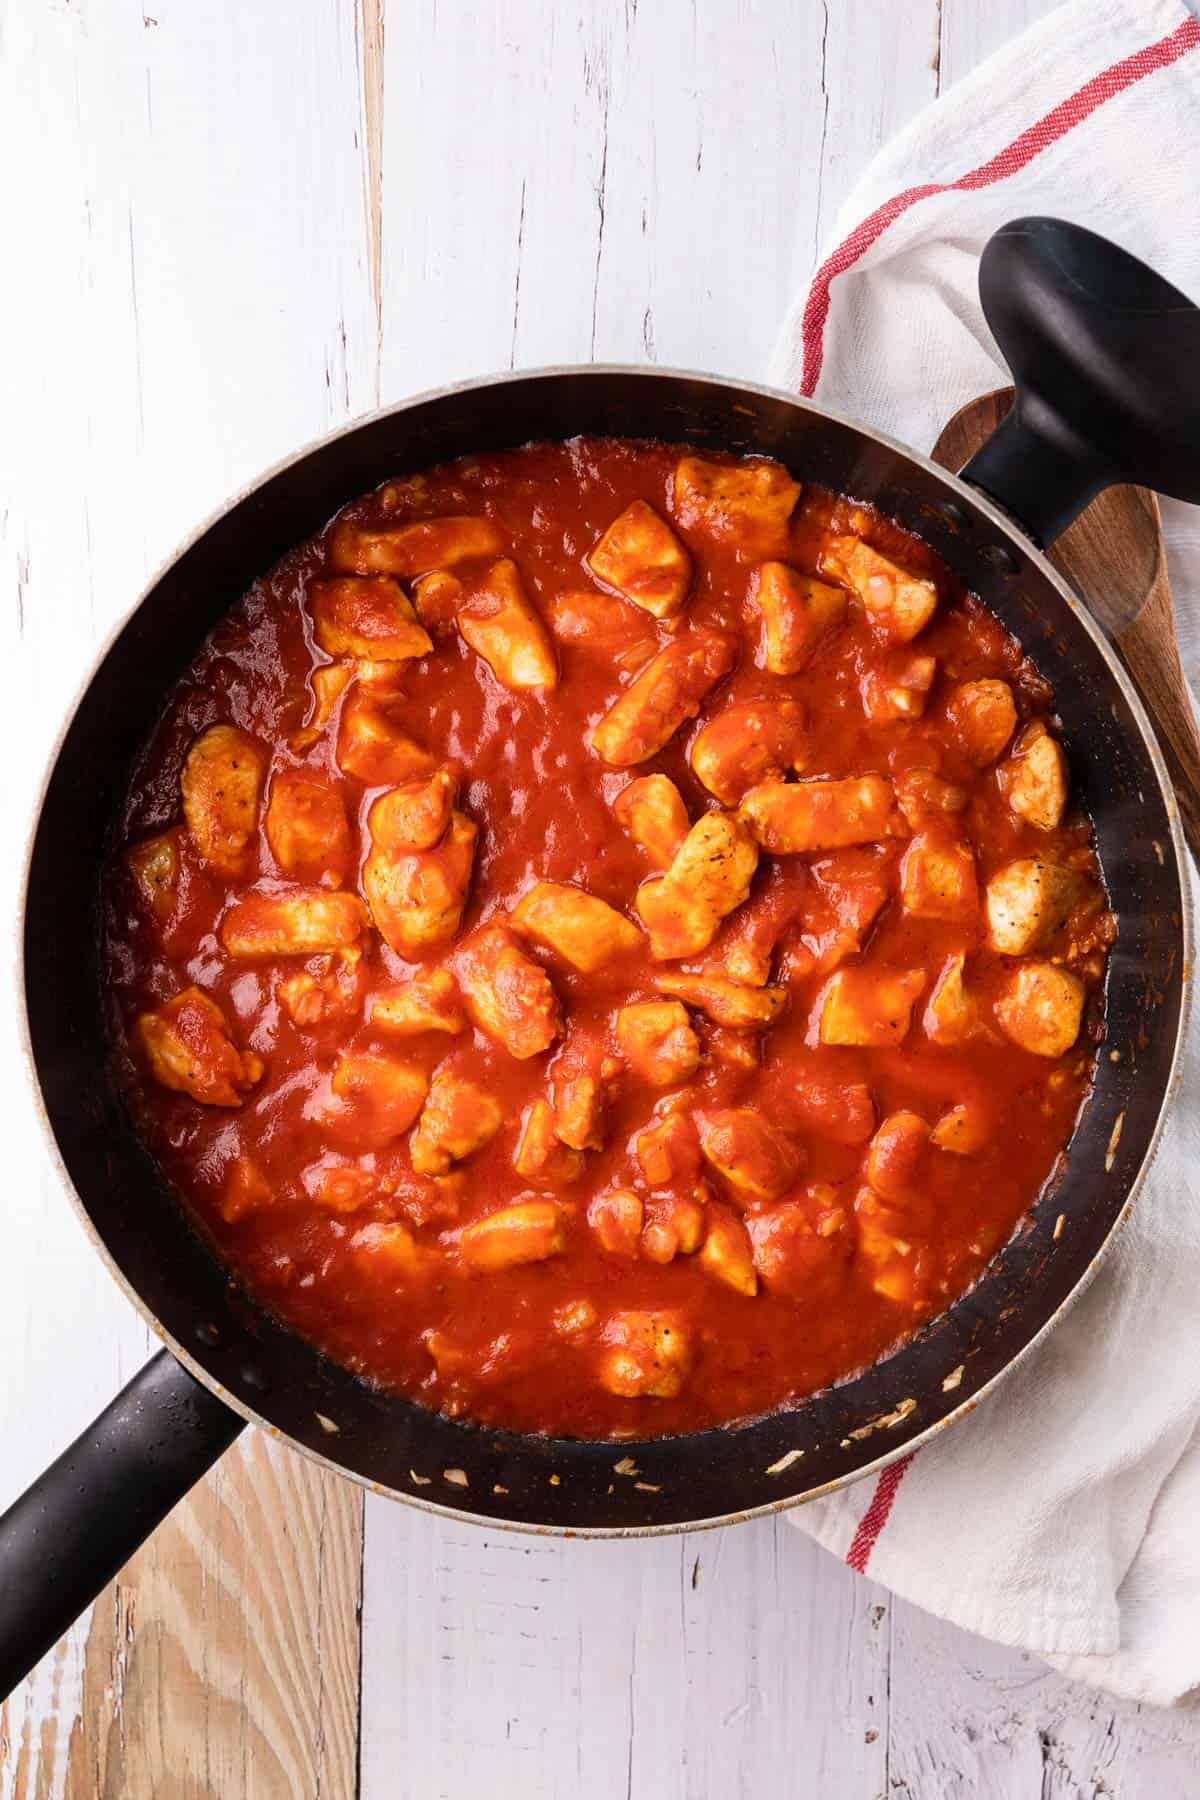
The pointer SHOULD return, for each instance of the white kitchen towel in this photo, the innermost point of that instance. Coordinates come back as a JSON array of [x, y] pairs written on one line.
[[1063, 1515]]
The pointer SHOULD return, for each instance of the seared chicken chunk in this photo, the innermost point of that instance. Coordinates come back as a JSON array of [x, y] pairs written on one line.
[[937, 879], [726, 1002], [898, 603], [154, 865], [925, 798], [529, 1231], [615, 1219], [749, 502], [657, 1041], [580, 1081], [327, 988], [666, 693], [429, 1002], [1033, 779], [669, 1153], [410, 550], [641, 557], [415, 815], [644, 1353], [372, 744], [651, 810], [983, 717], [341, 1187], [789, 817], [366, 616], [726, 1253], [329, 683], [802, 1247], [1041, 1008], [576, 926], [385, 1092], [871, 1007], [307, 829], [417, 897], [675, 1225], [187, 1044], [951, 1016], [222, 783], [963, 1130], [390, 1253], [293, 922], [710, 876], [1027, 901], [899, 691], [897, 1156], [889, 1256], [604, 625], [508, 995], [797, 612], [246, 1190], [437, 598], [756, 1161], [745, 744], [502, 625], [457, 1119], [540, 1156]]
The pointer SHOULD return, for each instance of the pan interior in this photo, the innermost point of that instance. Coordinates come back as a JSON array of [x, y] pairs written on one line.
[[555, 1483]]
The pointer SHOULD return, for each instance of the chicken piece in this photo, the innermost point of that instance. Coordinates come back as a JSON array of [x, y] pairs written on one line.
[[417, 897], [580, 1081], [1033, 778], [726, 1253], [868, 1006], [651, 810], [246, 1190], [925, 798], [616, 1221], [657, 1041], [603, 625], [709, 877], [951, 1015], [1027, 901], [889, 1256], [502, 625], [528, 1231], [790, 817], [675, 1225], [222, 784], [747, 743], [668, 1153], [154, 865], [645, 1353], [329, 682], [848, 892], [187, 1044], [539, 1155], [747, 503], [963, 1130], [389, 1252], [744, 947], [295, 922], [458, 1118], [937, 879], [666, 693], [383, 1092], [641, 557], [586, 932], [842, 1111], [796, 613], [341, 1187], [415, 815], [329, 988], [373, 747], [983, 717], [437, 598], [414, 549], [574, 1319], [429, 1002], [508, 995], [897, 1156], [725, 1002], [898, 691], [1041, 1008], [899, 604], [306, 827], [755, 1160], [366, 616], [802, 1247]]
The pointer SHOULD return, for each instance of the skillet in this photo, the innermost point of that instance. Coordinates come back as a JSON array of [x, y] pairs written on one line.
[[1106, 362]]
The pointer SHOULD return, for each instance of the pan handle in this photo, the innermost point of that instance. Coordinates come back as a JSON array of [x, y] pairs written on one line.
[[67, 1535], [1105, 357]]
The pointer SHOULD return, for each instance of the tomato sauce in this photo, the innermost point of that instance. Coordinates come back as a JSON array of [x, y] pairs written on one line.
[[698, 1214]]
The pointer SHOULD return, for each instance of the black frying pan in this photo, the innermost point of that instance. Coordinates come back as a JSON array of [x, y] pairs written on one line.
[[1106, 359]]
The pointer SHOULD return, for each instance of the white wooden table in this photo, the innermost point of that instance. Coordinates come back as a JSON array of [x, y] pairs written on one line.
[[229, 227]]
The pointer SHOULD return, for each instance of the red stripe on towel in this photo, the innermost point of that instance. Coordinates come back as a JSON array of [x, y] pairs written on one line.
[[1014, 157], [876, 1515]]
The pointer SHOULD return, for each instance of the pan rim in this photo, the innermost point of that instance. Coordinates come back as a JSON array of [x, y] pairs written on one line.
[[956, 487]]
